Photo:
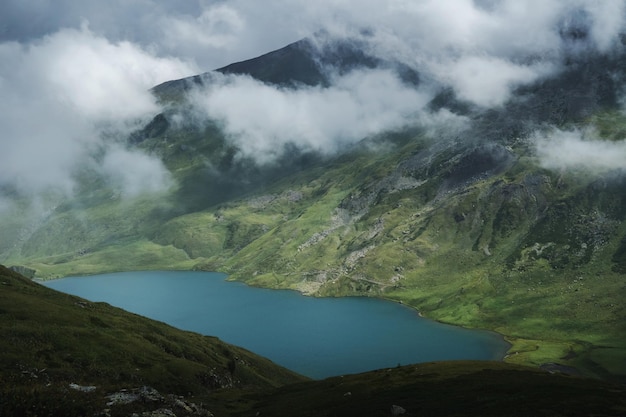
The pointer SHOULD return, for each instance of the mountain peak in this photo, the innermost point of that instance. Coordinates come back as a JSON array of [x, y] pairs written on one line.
[[308, 62]]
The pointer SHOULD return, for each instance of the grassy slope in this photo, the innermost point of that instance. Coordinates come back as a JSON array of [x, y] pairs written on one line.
[[444, 389], [523, 251], [469, 258], [49, 340]]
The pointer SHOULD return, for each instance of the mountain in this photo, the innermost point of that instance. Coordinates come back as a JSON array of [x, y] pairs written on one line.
[[66, 356], [466, 224], [308, 62]]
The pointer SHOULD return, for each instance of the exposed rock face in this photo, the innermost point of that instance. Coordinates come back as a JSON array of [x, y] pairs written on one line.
[[83, 388], [144, 394], [23, 270], [396, 410], [157, 405]]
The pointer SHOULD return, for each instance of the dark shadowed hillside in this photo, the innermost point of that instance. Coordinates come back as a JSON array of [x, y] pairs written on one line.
[[62, 355]]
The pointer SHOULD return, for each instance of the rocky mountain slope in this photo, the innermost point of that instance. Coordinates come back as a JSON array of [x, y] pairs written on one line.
[[465, 223]]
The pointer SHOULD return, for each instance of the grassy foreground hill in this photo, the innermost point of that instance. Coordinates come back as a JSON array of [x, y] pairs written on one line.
[[467, 226], [65, 356], [62, 355]]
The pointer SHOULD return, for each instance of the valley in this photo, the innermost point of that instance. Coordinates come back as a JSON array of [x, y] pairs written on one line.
[[465, 220], [64, 355], [413, 208], [319, 338]]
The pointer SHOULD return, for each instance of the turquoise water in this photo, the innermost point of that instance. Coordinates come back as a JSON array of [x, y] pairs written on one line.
[[317, 337]]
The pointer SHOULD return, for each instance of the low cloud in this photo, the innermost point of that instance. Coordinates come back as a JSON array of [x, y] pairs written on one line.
[[74, 75], [578, 150], [134, 173], [488, 81], [443, 124], [96, 78], [607, 22], [68, 96], [261, 119]]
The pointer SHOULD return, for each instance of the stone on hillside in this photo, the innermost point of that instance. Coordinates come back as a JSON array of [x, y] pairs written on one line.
[[83, 388], [396, 410]]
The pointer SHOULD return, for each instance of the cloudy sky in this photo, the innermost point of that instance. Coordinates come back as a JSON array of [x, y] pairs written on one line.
[[74, 75]]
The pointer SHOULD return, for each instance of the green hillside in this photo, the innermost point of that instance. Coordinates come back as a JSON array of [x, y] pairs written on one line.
[[468, 228], [65, 356]]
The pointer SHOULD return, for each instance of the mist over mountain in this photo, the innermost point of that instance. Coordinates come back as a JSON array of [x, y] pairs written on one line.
[[323, 94], [83, 70], [463, 157]]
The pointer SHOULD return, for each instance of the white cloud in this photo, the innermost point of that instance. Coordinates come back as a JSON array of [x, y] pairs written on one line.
[[488, 81], [61, 83], [444, 124], [66, 95], [98, 78], [216, 27], [608, 20], [262, 119], [134, 173], [574, 149], [198, 30]]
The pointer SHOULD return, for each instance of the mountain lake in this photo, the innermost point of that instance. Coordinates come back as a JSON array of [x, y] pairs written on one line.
[[317, 337]]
